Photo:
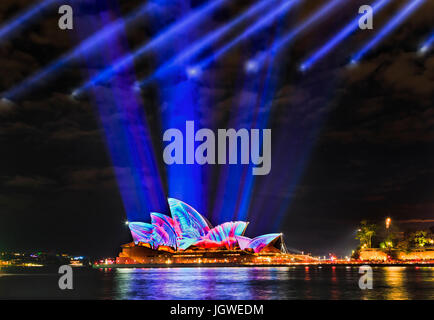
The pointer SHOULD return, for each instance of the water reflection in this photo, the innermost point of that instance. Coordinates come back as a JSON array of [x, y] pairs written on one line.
[[396, 280], [402, 283], [199, 283], [271, 283], [294, 282], [334, 290]]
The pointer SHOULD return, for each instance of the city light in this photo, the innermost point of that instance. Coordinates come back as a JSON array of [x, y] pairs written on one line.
[[402, 15], [388, 221]]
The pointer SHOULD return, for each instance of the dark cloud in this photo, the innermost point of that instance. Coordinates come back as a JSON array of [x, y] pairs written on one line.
[[90, 179], [416, 221], [29, 182]]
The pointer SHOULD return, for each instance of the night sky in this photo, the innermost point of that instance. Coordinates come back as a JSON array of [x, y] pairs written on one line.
[[349, 143]]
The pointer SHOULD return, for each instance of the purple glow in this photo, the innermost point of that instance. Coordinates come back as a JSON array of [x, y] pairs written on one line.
[[141, 232], [259, 243], [188, 222], [243, 242], [225, 233], [164, 229], [188, 228]]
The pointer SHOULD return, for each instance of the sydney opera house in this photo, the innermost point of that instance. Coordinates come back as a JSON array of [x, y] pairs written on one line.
[[188, 237]]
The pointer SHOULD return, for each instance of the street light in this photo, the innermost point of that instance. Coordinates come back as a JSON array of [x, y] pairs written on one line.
[[127, 222], [388, 221]]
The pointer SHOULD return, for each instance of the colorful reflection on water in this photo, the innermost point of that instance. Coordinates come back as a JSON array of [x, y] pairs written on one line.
[[200, 283], [272, 283], [293, 282]]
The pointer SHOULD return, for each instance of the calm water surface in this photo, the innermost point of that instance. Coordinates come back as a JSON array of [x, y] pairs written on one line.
[[220, 283]]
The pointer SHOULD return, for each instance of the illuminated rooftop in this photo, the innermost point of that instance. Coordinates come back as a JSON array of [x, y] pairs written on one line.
[[188, 229]]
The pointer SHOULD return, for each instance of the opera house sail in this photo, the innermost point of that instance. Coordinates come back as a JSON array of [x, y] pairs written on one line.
[[186, 232]]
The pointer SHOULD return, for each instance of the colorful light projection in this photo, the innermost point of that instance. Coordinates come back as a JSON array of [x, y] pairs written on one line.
[[188, 222], [224, 234], [141, 232], [243, 242], [164, 231], [189, 228], [259, 243]]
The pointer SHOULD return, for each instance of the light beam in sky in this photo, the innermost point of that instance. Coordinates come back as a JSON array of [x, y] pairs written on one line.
[[339, 37], [197, 47], [399, 18], [259, 25], [86, 47], [190, 20]]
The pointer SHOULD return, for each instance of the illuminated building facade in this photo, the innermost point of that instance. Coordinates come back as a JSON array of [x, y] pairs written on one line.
[[187, 235], [188, 228]]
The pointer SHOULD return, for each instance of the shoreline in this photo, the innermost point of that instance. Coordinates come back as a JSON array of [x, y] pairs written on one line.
[[229, 265]]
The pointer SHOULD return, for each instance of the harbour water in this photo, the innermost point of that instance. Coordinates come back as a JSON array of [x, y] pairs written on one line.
[[294, 282]]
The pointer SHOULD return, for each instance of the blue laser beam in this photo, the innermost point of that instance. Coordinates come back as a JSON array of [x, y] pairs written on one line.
[[234, 196], [12, 26], [125, 128], [187, 182], [262, 23], [89, 44], [339, 37], [388, 28], [195, 17], [212, 37], [283, 41], [427, 45]]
